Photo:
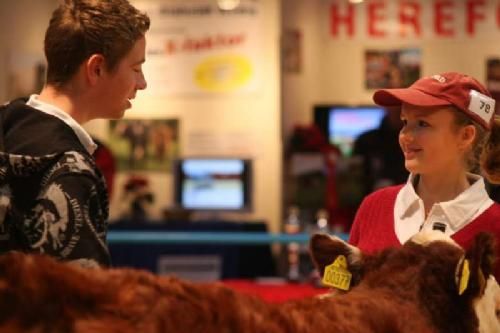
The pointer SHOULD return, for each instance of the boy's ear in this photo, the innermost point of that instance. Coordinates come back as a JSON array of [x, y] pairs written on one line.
[[94, 67], [325, 249], [481, 257]]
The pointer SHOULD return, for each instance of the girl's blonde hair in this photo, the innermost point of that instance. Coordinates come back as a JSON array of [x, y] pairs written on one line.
[[473, 156], [484, 157]]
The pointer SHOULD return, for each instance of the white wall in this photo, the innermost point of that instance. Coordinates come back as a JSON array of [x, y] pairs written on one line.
[[257, 116], [22, 27], [333, 69], [299, 90]]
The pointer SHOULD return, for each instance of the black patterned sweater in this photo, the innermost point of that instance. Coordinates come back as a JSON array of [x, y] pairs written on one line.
[[53, 198]]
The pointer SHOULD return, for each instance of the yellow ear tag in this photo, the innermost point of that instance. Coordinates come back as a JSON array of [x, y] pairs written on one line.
[[336, 275], [464, 277]]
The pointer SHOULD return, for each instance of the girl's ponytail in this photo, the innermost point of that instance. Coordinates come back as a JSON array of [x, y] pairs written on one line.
[[490, 157]]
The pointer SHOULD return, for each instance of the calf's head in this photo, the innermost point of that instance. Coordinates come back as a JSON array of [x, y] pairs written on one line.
[[451, 286]]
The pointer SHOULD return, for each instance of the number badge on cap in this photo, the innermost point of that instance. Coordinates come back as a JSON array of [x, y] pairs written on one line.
[[482, 105]]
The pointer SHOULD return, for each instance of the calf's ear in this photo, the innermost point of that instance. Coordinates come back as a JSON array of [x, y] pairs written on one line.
[[325, 249], [480, 259]]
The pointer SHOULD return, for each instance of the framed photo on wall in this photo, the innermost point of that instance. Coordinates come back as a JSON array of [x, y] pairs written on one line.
[[391, 68], [144, 144], [493, 80], [291, 48]]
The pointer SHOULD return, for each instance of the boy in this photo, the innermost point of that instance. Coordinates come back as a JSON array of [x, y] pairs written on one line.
[[53, 198]]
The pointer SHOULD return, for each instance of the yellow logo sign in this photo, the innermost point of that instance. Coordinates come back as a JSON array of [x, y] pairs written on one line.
[[223, 73]]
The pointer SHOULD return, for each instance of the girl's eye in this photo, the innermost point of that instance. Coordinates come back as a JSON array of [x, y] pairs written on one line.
[[404, 121], [422, 123]]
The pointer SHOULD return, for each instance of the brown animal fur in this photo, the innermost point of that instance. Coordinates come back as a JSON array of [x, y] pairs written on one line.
[[406, 290], [423, 277]]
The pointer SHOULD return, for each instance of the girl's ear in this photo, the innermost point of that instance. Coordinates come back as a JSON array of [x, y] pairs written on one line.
[[467, 136]]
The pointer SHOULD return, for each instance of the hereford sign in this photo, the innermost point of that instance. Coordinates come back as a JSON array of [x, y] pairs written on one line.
[[414, 19]]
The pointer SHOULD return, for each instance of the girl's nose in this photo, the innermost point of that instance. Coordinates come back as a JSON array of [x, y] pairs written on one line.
[[406, 134]]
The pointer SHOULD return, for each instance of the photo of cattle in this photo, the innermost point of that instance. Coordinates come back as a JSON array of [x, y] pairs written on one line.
[[144, 145], [391, 68]]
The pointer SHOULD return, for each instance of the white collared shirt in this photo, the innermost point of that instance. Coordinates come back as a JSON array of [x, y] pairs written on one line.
[[409, 212], [80, 132]]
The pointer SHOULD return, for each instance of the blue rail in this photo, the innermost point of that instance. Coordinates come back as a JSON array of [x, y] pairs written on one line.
[[221, 238]]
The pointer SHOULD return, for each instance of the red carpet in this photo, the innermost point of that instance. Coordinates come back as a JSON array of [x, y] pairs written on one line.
[[275, 292]]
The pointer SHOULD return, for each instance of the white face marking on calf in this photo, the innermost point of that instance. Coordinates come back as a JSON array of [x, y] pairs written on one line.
[[487, 308], [426, 237]]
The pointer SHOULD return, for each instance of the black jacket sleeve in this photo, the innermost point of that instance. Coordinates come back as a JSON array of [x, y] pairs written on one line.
[[68, 219]]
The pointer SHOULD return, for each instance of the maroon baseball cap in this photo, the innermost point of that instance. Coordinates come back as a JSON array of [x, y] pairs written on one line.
[[462, 91]]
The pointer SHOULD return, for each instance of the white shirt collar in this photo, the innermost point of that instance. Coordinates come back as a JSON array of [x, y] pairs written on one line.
[[80, 132], [409, 211], [409, 198]]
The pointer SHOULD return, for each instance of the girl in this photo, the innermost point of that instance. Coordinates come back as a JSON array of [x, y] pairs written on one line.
[[447, 123]]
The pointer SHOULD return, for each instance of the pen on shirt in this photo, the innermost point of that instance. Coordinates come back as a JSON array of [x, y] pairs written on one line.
[[435, 226]]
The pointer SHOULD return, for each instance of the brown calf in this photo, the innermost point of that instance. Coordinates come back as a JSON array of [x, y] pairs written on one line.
[[412, 289]]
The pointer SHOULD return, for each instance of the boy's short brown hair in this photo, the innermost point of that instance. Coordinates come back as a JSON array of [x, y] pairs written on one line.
[[80, 28]]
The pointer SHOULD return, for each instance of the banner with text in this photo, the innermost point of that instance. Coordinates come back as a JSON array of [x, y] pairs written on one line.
[[193, 47], [412, 19]]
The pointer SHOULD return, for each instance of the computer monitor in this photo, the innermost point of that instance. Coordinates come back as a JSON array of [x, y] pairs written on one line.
[[213, 184], [342, 124]]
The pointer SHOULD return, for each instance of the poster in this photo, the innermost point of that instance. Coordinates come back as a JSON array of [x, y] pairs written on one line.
[[292, 51], [493, 80], [195, 48], [392, 68], [145, 145]]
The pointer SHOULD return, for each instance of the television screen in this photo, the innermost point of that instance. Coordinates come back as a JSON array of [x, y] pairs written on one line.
[[342, 125], [213, 184]]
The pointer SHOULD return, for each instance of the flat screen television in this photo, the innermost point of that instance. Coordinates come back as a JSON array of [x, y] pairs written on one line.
[[213, 184], [342, 124]]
